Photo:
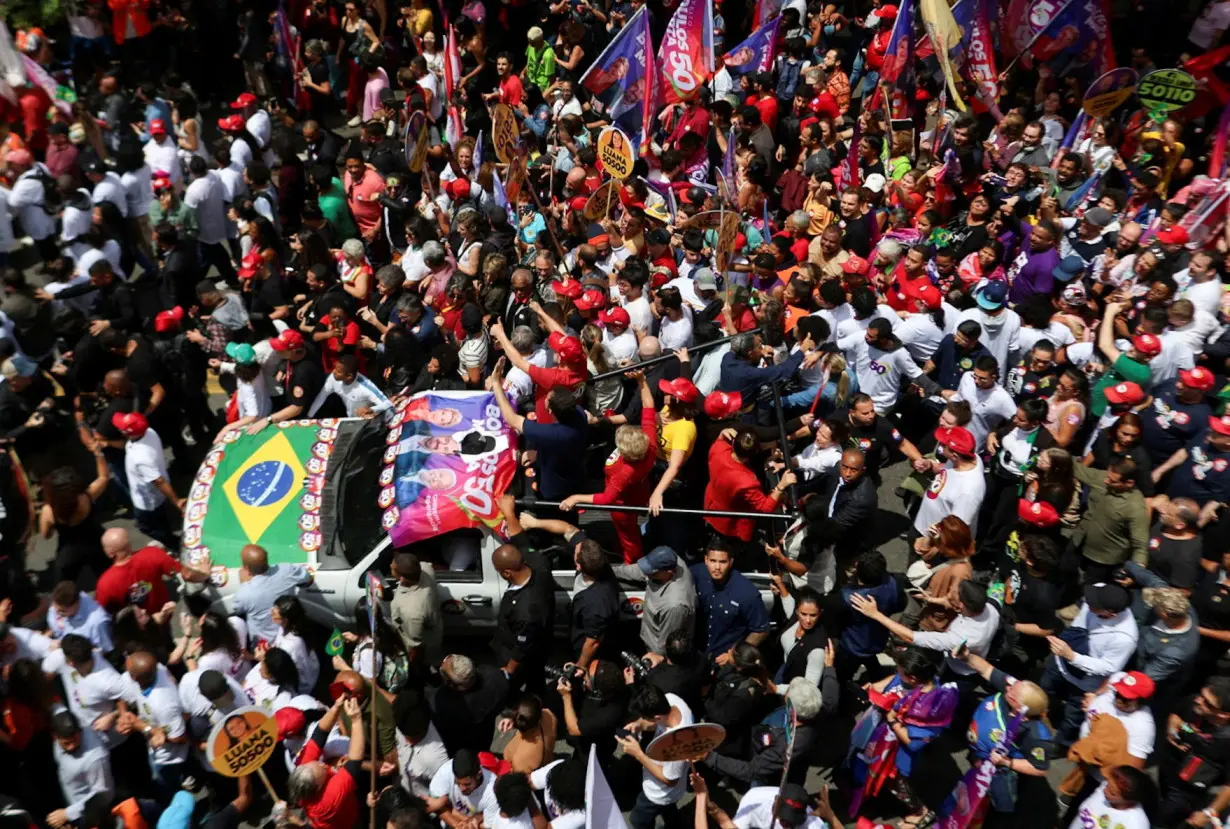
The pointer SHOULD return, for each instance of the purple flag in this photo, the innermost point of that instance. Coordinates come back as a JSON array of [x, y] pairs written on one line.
[[899, 57], [756, 53], [620, 79]]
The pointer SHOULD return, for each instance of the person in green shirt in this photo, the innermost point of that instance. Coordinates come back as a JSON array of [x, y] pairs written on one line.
[[1115, 526], [1132, 367], [332, 200], [539, 60]]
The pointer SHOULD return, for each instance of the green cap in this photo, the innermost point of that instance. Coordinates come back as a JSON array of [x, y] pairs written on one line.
[[241, 352]]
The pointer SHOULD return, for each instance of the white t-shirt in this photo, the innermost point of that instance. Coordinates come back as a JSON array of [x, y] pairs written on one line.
[[207, 197], [656, 791], [306, 662], [920, 335], [638, 312], [975, 631], [756, 811], [1204, 295], [675, 334], [622, 347], [556, 816], [90, 696], [472, 354], [880, 373], [1095, 811], [144, 463], [1210, 24], [164, 157], [138, 190], [159, 706], [432, 85], [111, 189], [1057, 333], [1139, 725], [202, 714], [480, 801], [1001, 335], [253, 398], [264, 693], [419, 763], [953, 493], [990, 407]]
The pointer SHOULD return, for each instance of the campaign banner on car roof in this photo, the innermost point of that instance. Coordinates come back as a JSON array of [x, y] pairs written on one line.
[[450, 457]]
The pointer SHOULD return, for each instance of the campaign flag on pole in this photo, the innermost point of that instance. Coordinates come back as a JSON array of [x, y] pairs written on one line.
[[1217, 158], [1024, 20], [847, 171], [766, 10], [728, 158], [965, 805], [601, 810], [897, 69], [980, 51], [1076, 36], [452, 74], [754, 54], [1070, 138], [449, 459], [686, 53], [622, 79], [287, 45], [942, 29], [1077, 200]]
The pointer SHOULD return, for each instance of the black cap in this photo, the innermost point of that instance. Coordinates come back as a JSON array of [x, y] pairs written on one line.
[[792, 805], [213, 686], [96, 166], [658, 237], [1103, 596], [58, 129]]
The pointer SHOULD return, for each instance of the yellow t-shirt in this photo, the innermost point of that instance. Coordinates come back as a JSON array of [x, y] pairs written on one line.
[[422, 22], [681, 434]]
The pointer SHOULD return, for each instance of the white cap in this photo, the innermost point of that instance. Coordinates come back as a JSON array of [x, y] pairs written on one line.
[[875, 183]]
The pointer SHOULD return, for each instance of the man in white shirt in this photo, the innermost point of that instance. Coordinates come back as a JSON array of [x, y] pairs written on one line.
[[1111, 632], [107, 186], [1201, 283], [207, 198], [880, 362], [82, 765], [990, 403], [1001, 326], [92, 686], [675, 320], [1190, 327], [959, 484], [149, 484], [154, 711], [767, 807], [628, 289], [257, 122], [617, 335], [1125, 696], [420, 751], [26, 201], [361, 395], [162, 154], [464, 788], [662, 784]]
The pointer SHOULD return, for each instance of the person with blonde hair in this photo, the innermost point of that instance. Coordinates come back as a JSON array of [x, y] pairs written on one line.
[[627, 473], [1025, 754]]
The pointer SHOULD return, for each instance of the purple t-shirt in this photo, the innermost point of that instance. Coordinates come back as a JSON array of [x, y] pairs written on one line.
[[1031, 272]]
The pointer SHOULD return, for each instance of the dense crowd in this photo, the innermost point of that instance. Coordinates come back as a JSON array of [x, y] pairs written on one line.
[[811, 283]]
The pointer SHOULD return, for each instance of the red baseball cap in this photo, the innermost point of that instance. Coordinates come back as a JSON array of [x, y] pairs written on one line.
[[458, 189], [1198, 378], [290, 721], [958, 439], [578, 202], [722, 404], [887, 12], [1038, 513], [1128, 393], [568, 348], [1174, 235], [246, 99], [591, 299], [856, 265], [614, 316], [926, 292], [1134, 685], [571, 289], [130, 424], [288, 340], [231, 123], [1148, 344], [1220, 425], [681, 389], [165, 321], [157, 127]]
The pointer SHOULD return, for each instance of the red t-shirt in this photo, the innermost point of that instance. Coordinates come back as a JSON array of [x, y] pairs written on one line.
[[511, 91], [746, 321], [333, 347], [138, 581], [546, 379], [768, 111], [338, 805]]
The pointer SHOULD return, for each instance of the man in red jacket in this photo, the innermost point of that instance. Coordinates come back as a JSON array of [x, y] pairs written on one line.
[[734, 487]]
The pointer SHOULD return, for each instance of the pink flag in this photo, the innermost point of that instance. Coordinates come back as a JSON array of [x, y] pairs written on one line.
[[686, 53]]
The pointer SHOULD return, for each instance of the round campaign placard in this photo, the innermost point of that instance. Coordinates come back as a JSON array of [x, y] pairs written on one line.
[[708, 219], [615, 152], [242, 742], [504, 132], [598, 205], [1166, 90], [1108, 92], [689, 742]]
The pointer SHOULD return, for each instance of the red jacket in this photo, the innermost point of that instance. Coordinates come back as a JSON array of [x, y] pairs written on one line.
[[734, 487], [627, 483], [120, 11]]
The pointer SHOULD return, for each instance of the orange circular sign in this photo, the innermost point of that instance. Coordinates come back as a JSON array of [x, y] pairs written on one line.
[[242, 742]]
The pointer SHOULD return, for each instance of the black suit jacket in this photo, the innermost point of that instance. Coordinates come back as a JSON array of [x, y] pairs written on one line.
[[853, 511]]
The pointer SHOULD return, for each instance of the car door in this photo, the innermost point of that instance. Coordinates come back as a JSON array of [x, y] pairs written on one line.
[[470, 598]]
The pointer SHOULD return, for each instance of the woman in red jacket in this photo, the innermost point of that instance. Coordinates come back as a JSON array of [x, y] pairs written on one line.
[[734, 487], [627, 474]]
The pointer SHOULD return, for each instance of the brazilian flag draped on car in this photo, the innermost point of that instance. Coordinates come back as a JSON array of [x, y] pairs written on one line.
[[261, 489]]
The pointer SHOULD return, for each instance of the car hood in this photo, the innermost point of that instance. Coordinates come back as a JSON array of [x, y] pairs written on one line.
[[266, 489]]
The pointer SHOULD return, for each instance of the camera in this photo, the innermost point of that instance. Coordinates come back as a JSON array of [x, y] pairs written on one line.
[[571, 675], [639, 665]]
